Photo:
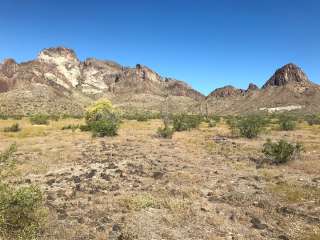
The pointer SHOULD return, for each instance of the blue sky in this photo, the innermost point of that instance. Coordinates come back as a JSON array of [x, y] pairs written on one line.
[[206, 43]]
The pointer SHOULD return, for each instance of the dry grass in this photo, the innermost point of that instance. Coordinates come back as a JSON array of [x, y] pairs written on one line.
[[292, 193]]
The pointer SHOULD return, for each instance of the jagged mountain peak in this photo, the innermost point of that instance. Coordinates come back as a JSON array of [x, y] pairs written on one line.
[[58, 54], [289, 73], [252, 87], [226, 91]]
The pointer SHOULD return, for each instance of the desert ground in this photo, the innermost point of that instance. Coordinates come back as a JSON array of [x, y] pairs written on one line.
[[201, 184]]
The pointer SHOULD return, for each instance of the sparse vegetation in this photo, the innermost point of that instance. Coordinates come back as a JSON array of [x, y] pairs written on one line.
[[21, 212], [73, 127], [184, 122], [287, 123], [313, 119], [281, 151], [248, 126], [13, 128], [293, 193], [165, 132], [20, 207], [39, 119], [212, 120]]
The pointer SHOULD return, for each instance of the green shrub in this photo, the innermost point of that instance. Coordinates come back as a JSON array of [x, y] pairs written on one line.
[[212, 120], [102, 119], [312, 119], [54, 117], [183, 122], [73, 127], [281, 151], [84, 128], [39, 119], [165, 132], [21, 208], [13, 128], [249, 126], [21, 212], [103, 128], [287, 123], [17, 117], [4, 156], [4, 117], [141, 116]]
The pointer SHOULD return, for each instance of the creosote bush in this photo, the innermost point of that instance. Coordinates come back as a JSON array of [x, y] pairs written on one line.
[[212, 120], [21, 208], [249, 126], [39, 119], [102, 119], [287, 123], [73, 127], [13, 128], [141, 116], [166, 131], [21, 212], [312, 119], [281, 151], [184, 122]]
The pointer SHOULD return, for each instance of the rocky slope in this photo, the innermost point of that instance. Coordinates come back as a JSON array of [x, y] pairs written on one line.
[[289, 87], [67, 84]]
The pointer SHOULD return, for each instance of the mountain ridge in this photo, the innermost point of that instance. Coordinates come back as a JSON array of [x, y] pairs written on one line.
[[74, 84]]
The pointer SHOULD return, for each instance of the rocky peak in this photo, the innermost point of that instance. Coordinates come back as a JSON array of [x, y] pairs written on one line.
[[8, 67], [67, 72], [252, 87], [288, 74], [226, 91], [58, 55]]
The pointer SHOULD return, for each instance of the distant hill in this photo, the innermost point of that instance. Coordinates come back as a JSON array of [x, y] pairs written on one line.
[[289, 87]]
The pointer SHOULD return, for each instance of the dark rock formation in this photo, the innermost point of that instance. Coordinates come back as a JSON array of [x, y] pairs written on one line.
[[288, 74]]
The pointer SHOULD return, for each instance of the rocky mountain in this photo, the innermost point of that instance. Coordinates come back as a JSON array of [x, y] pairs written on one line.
[[57, 81], [288, 88]]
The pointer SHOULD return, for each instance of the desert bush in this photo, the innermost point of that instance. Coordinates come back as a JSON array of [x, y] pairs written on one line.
[[17, 117], [54, 117], [141, 116], [103, 128], [21, 208], [39, 119], [5, 157], [281, 151], [21, 212], [287, 123], [4, 117], [102, 119], [183, 122], [84, 128], [165, 132], [312, 119], [13, 128], [249, 126], [212, 120], [73, 127]]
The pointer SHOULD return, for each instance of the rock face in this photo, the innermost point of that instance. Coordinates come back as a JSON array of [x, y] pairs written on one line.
[[288, 74], [59, 70]]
